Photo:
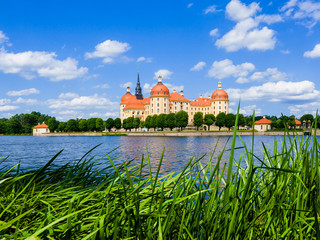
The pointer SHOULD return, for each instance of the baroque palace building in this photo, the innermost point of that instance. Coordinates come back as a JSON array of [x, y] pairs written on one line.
[[162, 101]]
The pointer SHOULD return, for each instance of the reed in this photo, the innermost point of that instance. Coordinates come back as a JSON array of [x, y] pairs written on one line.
[[278, 198]]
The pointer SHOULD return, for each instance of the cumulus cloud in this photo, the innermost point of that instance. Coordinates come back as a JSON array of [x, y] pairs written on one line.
[[24, 92], [43, 64], [248, 110], [271, 74], [4, 101], [305, 11], [306, 108], [226, 68], [143, 59], [147, 87], [104, 86], [68, 95], [7, 108], [199, 66], [247, 33], [164, 73], [109, 50], [214, 32], [127, 84], [28, 101], [82, 102], [211, 9], [314, 53], [189, 5], [277, 92], [3, 37], [285, 51]]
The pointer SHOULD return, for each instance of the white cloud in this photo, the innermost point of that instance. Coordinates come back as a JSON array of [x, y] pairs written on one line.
[[226, 68], [238, 11], [127, 84], [214, 32], [8, 108], [83, 102], [277, 92], [164, 73], [211, 9], [143, 59], [306, 108], [174, 87], [147, 87], [3, 37], [109, 50], [199, 66], [24, 92], [44, 64], [29, 101], [314, 53], [4, 101], [271, 74], [68, 95], [269, 19], [103, 115], [285, 51], [189, 5], [104, 86], [307, 11], [248, 110]]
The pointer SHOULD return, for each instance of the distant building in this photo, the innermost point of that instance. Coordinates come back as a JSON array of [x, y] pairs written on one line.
[[40, 129], [162, 101], [263, 124]]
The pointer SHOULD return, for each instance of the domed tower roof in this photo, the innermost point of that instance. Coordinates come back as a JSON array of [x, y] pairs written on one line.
[[220, 94], [160, 90], [127, 97]]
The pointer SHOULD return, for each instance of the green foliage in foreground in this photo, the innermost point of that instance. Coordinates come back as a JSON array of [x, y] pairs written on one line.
[[277, 199]]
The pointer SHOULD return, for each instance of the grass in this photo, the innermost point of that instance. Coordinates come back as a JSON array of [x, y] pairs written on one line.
[[278, 198], [114, 134]]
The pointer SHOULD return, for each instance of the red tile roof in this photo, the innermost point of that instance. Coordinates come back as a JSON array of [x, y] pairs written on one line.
[[297, 122], [178, 97], [43, 125], [202, 102], [263, 121]]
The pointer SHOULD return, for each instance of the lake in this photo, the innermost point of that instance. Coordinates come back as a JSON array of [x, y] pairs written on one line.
[[36, 151]]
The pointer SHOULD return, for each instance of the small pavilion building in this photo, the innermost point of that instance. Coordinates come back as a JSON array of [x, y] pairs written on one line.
[[263, 124], [40, 129]]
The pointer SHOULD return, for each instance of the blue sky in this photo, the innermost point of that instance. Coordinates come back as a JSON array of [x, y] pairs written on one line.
[[74, 59]]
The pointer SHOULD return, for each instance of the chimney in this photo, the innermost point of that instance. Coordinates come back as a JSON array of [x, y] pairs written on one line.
[[200, 96], [209, 97], [181, 92], [128, 89], [174, 91]]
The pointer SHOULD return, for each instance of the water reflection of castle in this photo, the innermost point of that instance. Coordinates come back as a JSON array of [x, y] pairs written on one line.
[[162, 101]]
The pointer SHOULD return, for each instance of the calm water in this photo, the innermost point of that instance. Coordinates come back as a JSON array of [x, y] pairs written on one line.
[[36, 151]]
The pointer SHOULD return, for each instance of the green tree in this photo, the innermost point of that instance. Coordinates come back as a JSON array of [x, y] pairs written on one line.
[[230, 120], [72, 125], [117, 123], [209, 119], [147, 123], [198, 119], [109, 124], [129, 123], [3, 126], [154, 122], [62, 127], [13, 126], [124, 124], [83, 125], [307, 120], [161, 121], [91, 123], [221, 120], [53, 124], [136, 123], [241, 121], [292, 122], [171, 121], [99, 124], [181, 119]]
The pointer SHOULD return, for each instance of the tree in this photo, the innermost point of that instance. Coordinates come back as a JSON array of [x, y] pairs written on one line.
[[91, 124], [117, 123], [62, 127], [161, 121], [147, 123], [3, 127], [209, 119], [230, 120], [72, 125], [307, 120], [109, 124], [241, 121], [181, 119], [170, 121], [221, 120], [198, 119], [53, 124], [13, 126], [136, 123], [292, 122], [124, 124], [129, 123], [83, 125], [154, 122], [99, 124]]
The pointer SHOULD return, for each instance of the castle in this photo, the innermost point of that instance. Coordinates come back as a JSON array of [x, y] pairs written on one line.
[[162, 101]]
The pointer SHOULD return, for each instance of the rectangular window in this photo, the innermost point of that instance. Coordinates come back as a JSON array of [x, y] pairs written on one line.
[[157, 104], [158, 99], [164, 105], [158, 110], [219, 102], [165, 110]]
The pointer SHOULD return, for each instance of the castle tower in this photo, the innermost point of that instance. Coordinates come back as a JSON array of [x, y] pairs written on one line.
[[138, 92]]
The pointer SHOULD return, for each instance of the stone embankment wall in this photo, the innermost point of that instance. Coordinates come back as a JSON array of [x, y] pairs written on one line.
[[72, 134]]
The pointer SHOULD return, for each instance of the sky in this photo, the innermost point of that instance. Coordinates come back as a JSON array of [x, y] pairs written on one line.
[[74, 59]]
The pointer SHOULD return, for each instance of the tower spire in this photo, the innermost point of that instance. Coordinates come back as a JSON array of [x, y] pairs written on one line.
[[138, 89]]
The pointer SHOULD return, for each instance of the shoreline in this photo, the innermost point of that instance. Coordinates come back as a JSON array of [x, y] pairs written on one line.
[[170, 134]]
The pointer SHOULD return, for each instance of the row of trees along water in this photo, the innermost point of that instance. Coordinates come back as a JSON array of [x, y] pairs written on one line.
[[24, 123]]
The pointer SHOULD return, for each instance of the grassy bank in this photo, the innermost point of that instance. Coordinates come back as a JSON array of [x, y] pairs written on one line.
[[275, 199]]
